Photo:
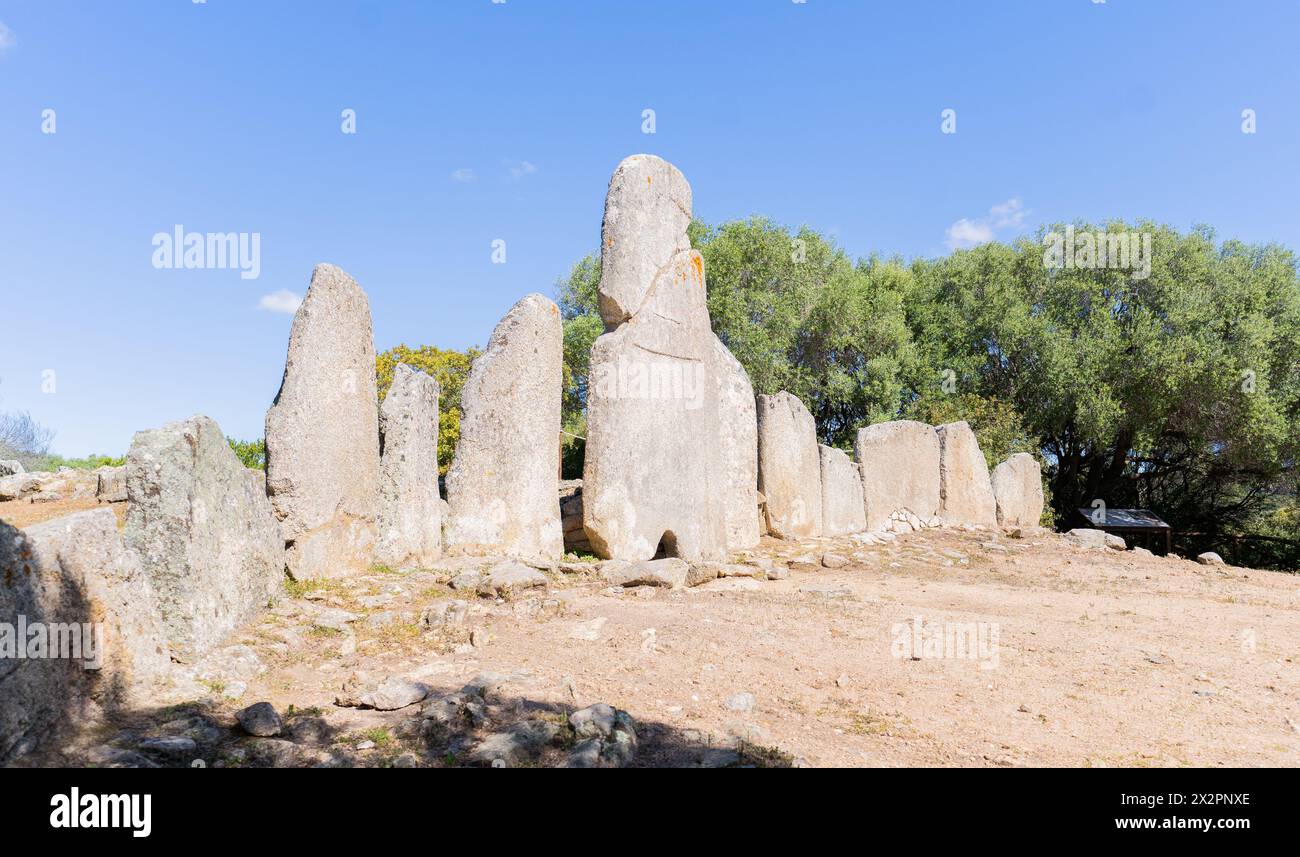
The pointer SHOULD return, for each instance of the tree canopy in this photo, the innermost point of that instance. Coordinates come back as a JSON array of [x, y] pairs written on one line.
[[450, 369], [1173, 386]]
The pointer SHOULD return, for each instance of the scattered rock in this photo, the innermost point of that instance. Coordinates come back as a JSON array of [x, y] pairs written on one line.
[[407, 760], [1095, 539], [466, 580], [834, 560], [509, 578], [606, 738], [272, 752], [777, 571], [670, 573], [171, 747], [391, 694], [110, 485], [261, 720], [334, 618], [522, 743], [1210, 558], [703, 572]]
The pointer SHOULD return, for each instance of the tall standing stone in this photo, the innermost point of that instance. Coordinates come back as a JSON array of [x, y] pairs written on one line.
[[503, 484], [322, 432], [843, 510], [965, 490], [653, 474], [410, 516], [206, 535], [738, 434], [789, 466], [900, 471], [1018, 491]]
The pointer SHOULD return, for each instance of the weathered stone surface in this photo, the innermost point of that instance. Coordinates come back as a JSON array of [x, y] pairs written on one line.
[[322, 432], [507, 578], [575, 537], [204, 530], [900, 471], [520, 744], [653, 469], [1210, 558], [111, 485], [74, 570], [789, 467], [647, 210], [965, 490], [501, 487], [1086, 537], [393, 693], [1018, 491], [410, 514], [843, 508], [18, 485], [10, 467], [834, 560], [260, 719], [738, 434], [671, 573], [606, 738]]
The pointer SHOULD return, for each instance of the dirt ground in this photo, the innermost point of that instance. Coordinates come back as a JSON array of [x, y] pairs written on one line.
[[24, 513], [1090, 658]]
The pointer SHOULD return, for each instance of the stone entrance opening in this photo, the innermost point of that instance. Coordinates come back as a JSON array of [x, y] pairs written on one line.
[[667, 545]]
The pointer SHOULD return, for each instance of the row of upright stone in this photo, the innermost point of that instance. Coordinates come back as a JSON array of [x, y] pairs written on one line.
[[353, 483], [678, 450], [907, 475]]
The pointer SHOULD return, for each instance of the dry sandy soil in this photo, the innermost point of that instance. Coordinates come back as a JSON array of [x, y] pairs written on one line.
[[1102, 659], [24, 513]]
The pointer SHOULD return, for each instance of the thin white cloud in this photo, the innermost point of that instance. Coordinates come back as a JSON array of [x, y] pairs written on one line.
[[519, 169], [283, 301], [464, 175], [1010, 214], [970, 233], [7, 39]]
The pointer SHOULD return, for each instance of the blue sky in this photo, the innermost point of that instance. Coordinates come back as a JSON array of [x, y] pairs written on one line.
[[478, 121]]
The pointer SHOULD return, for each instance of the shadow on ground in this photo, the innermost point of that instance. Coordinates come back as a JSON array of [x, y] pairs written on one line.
[[473, 726]]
